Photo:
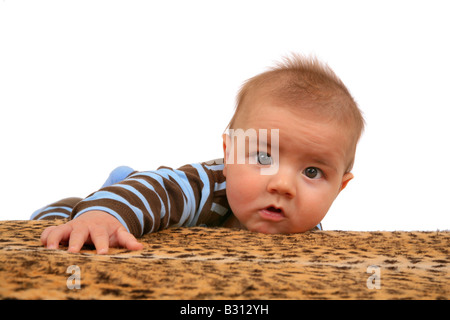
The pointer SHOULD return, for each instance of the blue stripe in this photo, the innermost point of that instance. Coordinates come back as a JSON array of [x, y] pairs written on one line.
[[205, 190], [58, 214], [183, 182], [149, 186], [34, 214], [141, 197], [150, 174], [108, 210], [159, 179], [189, 198], [109, 195], [216, 167], [220, 186]]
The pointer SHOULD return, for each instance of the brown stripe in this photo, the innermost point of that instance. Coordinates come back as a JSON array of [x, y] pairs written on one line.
[[56, 210], [150, 196], [175, 198]]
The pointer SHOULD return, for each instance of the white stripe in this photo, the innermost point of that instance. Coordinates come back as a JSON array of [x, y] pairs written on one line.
[[216, 167], [221, 210]]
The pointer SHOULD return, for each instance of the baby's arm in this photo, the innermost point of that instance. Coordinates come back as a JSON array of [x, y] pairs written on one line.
[[144, 202], [94, 227]]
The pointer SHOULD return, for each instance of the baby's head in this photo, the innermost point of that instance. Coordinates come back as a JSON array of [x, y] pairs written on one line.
[[302, 127]]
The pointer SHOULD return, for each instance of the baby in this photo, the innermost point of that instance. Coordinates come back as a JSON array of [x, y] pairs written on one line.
[[288, 153]]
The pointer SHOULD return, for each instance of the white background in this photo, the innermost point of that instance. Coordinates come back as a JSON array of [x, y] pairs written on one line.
[[86, 86]]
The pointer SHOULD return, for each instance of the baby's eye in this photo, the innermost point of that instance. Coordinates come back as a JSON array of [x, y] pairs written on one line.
[[313, 173], [264, 158]]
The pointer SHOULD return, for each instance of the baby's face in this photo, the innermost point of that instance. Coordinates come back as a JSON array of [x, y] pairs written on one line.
[[311, 159]]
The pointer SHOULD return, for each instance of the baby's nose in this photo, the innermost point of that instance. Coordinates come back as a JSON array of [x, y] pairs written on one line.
[[282, 183]]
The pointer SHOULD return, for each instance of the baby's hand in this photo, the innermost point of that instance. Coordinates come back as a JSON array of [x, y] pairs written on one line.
[[93, 227]]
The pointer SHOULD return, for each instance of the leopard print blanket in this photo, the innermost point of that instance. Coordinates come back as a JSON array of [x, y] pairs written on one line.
[[218, 263]]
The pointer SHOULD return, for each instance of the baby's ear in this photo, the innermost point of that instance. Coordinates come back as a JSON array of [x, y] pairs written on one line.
[[226, 141], [345, 180], [225, 138]]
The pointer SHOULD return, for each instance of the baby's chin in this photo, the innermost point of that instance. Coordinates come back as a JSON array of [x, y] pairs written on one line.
[[267, 228], [273, 228]]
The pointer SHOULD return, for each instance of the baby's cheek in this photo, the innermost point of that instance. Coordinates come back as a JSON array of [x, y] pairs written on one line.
[[314, 210], [237, 192], [241, 190]]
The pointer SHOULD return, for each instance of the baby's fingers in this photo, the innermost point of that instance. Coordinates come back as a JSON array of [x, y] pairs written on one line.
[[45, 234], [53, 236], [78, 237], [100, 238], [127, 240]]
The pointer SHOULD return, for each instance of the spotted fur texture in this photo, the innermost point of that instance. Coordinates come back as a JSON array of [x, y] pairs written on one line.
[[219, 263]]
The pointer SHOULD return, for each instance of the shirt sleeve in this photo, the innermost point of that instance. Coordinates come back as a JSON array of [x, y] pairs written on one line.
[[150, 201]]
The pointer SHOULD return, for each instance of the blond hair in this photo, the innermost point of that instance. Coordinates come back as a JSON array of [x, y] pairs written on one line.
[[307, 84]]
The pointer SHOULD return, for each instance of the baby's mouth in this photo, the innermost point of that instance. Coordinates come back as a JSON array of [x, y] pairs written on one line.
[[272, 213]]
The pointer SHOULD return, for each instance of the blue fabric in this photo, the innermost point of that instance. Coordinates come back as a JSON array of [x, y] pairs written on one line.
[[117, 175]]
